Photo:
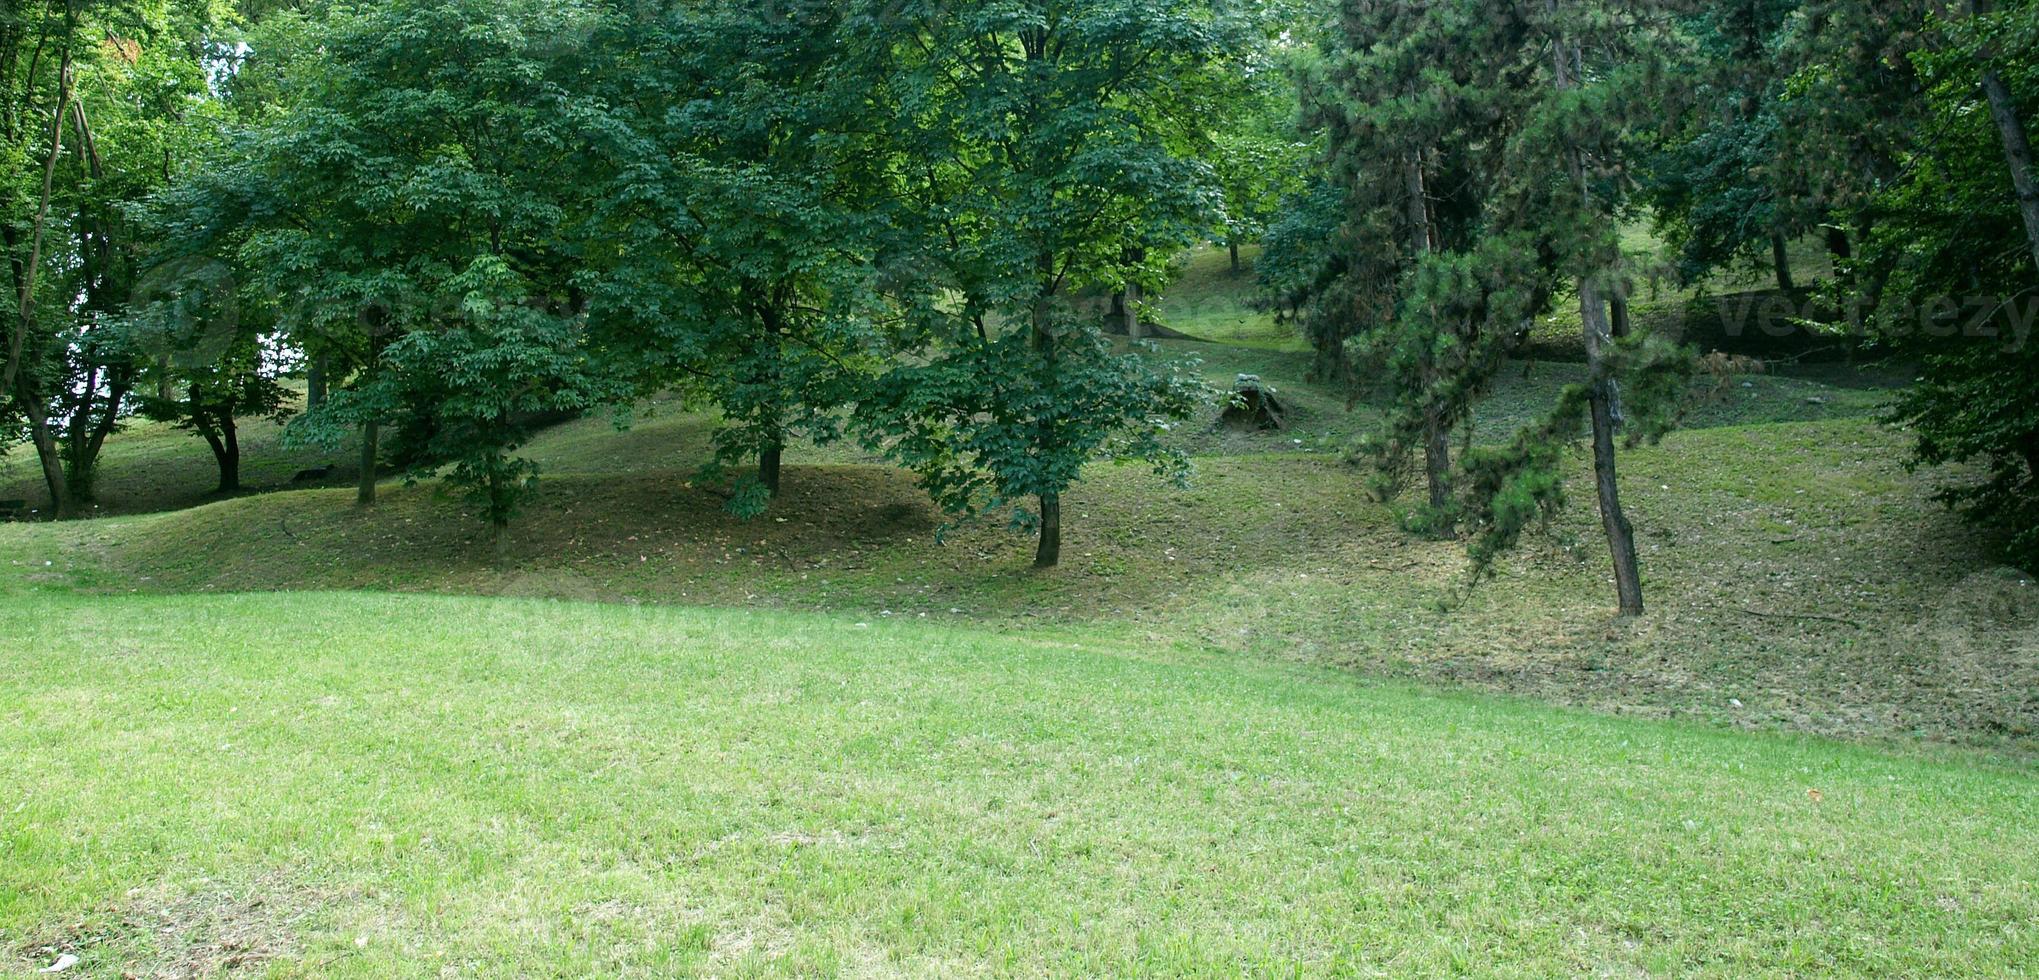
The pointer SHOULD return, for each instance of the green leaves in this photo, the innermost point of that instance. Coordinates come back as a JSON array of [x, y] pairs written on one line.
[[1478, 157], [734, 254], [1043, 149], [409, 217], [1892, 123]]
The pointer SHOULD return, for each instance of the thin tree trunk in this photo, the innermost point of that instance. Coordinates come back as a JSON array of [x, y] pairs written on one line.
[[25, 321], [364, 493], [1049, 552], [1780, 258], [218, 447], [1842, 252], [62, 505], [1437, 468], [2003, 109], [47, 450], [230, 458], [86, 434], [1628, 584], [1128, 300], [2018, 155], [1436, 438], [118, 386], [1232, 245], [1601, 391], [768, 468], [316, 378], [224, 456]]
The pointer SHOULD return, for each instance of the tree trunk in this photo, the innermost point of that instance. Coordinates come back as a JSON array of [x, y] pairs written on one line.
[[364, 493], [85, 452], [230, 480], [229, 454], [1232, 245], [768, 469], [218, 445], [50, 455], [1437, 467], [1045, 345], [1049, 553], [2003, 109], [1436, 437], [1842, 252], [1780, 258], [2018, 154], [1620, 536], [85, 435], [317, 376], [1601, 391], [1126, 305], [63, 506], [26, 271]]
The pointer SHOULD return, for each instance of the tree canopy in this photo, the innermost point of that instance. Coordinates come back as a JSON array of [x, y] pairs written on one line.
[[895, 224]]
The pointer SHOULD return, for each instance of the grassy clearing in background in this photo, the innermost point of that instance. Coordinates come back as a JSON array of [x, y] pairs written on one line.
[[375, 786], [1212, 303]]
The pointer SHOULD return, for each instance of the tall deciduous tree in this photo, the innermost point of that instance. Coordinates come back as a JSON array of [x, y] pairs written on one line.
[[735, 250], [1260, 158], [97, 103], [1041, 146], [415, 210]]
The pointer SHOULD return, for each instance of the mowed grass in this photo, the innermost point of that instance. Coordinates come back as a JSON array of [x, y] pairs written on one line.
[[376, 785], [1798, 577]]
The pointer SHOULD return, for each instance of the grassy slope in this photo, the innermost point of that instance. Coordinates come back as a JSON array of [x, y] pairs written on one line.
[[1210, 302], [1780, 505], [357, 785], [1778, 502], [1799, 578], [151, 467]]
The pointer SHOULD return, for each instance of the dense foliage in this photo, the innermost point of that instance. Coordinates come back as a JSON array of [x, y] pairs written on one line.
[[896, 223]]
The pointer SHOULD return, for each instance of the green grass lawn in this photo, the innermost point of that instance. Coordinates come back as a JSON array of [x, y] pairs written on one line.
[[375, 786]]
